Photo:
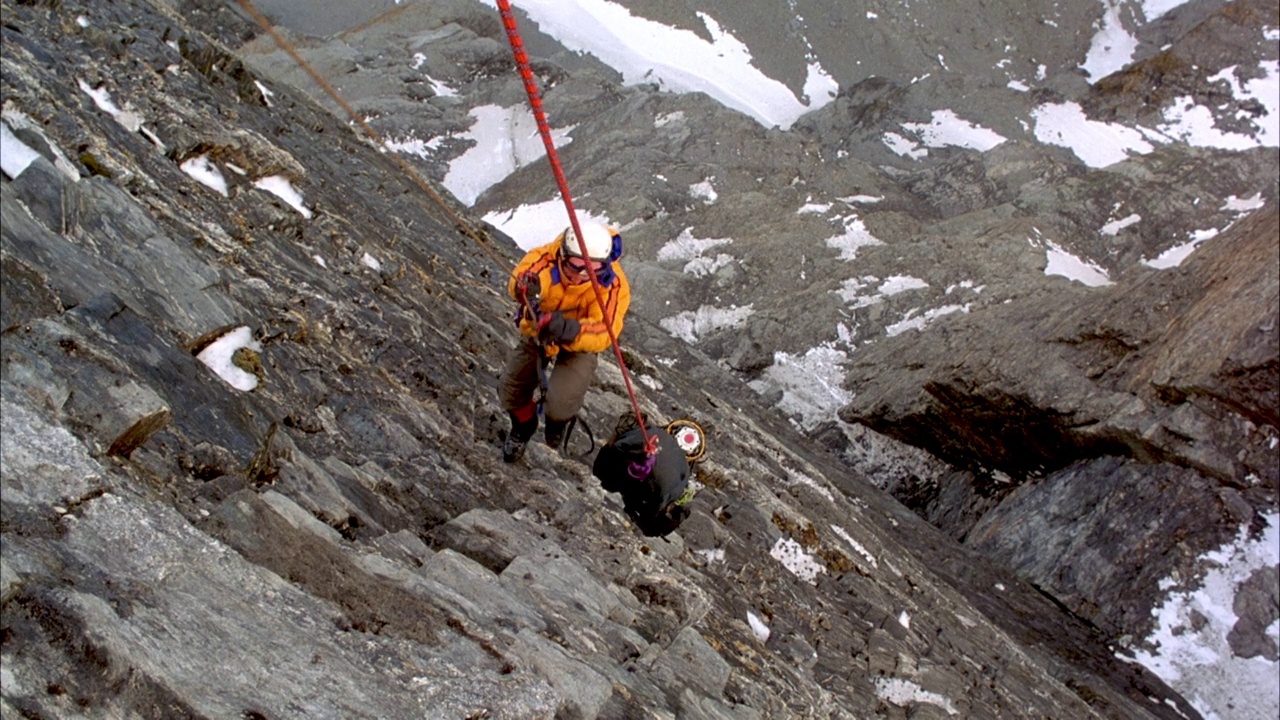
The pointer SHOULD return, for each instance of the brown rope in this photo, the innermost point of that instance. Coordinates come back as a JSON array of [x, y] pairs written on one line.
[[333, 93]]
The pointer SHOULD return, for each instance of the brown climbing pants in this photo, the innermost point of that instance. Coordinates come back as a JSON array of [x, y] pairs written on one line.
[[567, 381]]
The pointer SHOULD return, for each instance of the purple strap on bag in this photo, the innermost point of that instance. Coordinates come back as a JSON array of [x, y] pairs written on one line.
[[641, 470]]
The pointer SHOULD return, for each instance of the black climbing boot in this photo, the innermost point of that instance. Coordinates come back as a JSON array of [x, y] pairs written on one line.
[[518, 438], [557, 433]]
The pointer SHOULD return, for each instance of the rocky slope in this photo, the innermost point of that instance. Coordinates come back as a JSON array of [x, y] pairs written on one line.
[[1099, 440], [342, 540]]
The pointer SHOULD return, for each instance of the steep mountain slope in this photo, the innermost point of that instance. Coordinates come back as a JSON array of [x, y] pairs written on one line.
[[1020, 271], [334, 535]]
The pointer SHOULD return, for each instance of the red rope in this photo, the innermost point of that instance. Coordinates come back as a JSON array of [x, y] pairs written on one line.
[[535, 102]]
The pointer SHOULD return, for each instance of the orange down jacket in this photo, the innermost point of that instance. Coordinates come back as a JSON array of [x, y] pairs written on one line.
[[575, 301]]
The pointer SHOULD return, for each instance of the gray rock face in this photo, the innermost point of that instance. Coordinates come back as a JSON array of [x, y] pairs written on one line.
[[1060, 533], [1177, 373], [1257, 601], [342, 540]]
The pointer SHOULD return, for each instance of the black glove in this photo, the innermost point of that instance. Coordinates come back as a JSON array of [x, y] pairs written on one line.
[[529, 289], [556, 328]]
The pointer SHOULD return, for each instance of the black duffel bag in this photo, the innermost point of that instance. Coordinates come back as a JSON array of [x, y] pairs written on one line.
[[653, 489]]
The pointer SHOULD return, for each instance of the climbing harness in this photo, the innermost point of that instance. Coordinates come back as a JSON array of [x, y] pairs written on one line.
[[535, 103]]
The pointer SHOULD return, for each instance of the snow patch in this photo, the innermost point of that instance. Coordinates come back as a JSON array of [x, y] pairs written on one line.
[[685, 246], [1097, 144], [794, 558], [265, 92], [851, 289], [1189, 648], [851, 292], [691, 324], [903, 146], [691, 250], [857, 546], [946, 128], [15, 155], [539, 224], [410, 145], [904, 692], [677, 60], [1112, 228], [1194, 124], [205, 173], [1112, 47], [129, 119], [711, 554], [704, 191], [218, 355], [1153, 9], [799, 478], [855, 237], [913, 322], [1174, 256], [17, 120], [1100, 144], [811, 384], [506, 139], [895, 284], [865, 199], [1244, 205], [668, 118], [280, 186], [1085, 272]]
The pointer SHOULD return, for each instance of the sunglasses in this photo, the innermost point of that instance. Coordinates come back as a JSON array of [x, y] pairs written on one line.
[[580, 266]]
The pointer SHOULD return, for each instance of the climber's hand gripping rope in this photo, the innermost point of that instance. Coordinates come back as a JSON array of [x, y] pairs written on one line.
[[529, 295]]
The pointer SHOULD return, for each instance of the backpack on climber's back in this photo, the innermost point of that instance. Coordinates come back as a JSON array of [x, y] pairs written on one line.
[[655, 491]]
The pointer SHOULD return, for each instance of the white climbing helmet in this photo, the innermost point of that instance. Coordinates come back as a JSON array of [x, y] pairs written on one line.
[[599, 241]]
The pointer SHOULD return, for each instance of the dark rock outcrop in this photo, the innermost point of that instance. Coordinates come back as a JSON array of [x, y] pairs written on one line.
[[1151, 417]]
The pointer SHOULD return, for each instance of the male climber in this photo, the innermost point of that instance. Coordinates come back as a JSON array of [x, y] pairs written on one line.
[[563, 330]]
